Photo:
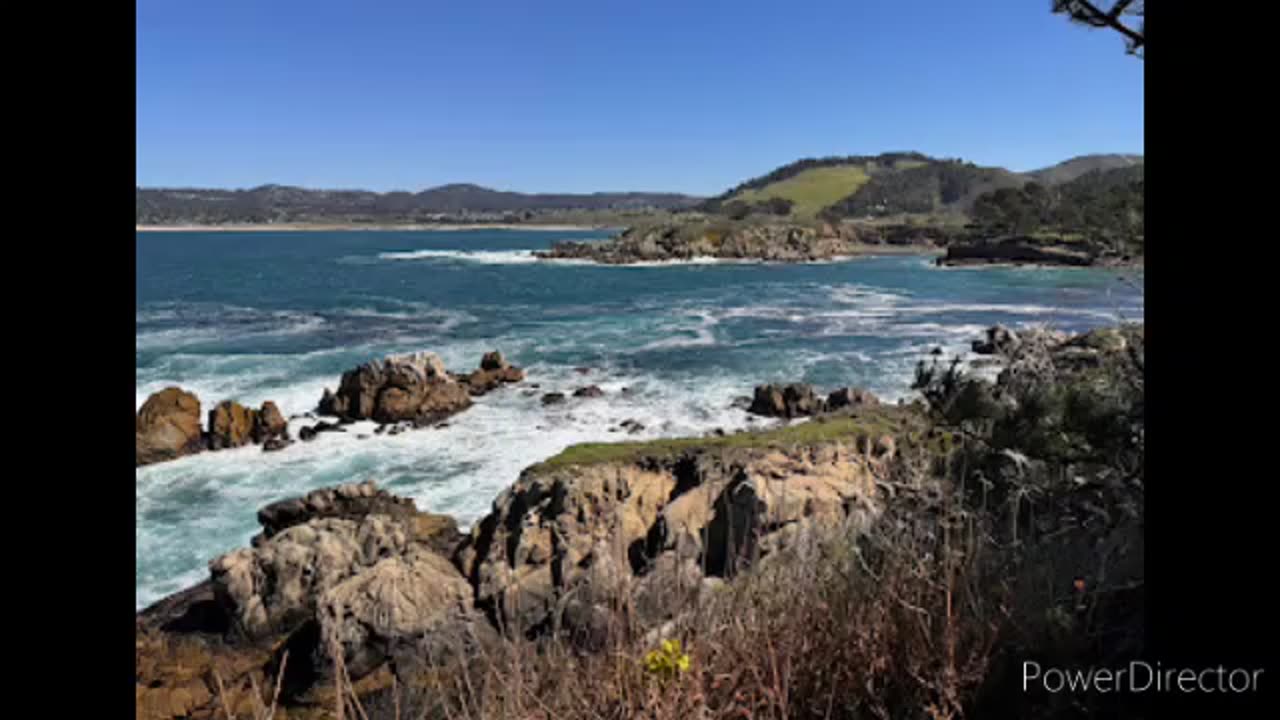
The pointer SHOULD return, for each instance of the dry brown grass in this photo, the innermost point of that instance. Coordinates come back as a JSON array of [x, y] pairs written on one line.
[[898, 624], [917, 619]]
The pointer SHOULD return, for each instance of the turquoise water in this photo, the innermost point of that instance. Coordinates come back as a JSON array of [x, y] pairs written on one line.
[[279, 316]]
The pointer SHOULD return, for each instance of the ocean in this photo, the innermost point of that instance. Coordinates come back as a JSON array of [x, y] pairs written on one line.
[[255, 316]]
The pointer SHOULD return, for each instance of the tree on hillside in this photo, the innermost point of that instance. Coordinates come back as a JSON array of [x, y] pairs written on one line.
[[1089, 13]]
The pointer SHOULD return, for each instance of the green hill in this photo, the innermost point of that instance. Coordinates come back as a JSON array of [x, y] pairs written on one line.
[[859, 186], [811, 190], [1105, 208], [1069, 170]]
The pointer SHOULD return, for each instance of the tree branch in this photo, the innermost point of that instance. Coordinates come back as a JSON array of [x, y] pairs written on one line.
[[1112, 20]]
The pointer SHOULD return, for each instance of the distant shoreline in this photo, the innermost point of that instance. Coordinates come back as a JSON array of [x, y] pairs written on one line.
[[296, 227]]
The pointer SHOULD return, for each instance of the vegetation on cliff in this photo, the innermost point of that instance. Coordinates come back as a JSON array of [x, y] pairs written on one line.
[[892, 562]]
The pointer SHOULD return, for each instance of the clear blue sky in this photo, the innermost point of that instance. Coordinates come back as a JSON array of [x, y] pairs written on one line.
[[597, 95]]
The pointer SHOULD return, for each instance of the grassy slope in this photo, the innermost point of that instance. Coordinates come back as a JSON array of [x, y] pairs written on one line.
[[906, 424], [817, 188], [1069, 170], [812, 189]]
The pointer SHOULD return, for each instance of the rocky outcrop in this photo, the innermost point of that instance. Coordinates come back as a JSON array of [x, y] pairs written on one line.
[[786, 401], [1017, 250], [269, 424], [999, 340], [351, 568], [167, 426], [359, 572], [800, 400], [561, 544], [772, 242], [494, 372], [231, 425], [396, 606], [234, 425], [349, 502], [413, 387], [850, 397]]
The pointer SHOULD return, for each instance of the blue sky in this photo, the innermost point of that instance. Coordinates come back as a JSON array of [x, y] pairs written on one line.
[[600, 95]]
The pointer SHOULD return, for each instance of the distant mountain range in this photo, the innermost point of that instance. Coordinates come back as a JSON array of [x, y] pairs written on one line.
[[280, 204], [833, 187]]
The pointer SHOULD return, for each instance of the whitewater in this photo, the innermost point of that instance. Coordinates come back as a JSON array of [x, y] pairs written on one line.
[[279, 316]]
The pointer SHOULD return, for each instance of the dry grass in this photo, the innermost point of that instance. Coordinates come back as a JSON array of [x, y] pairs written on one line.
[[919, 619], [903, 623]]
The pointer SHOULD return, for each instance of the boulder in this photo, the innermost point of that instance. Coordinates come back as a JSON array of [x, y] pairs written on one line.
[[269, 423], [351, 501], [590, 391], [553, 398], [276, 443], [351, 567], [493, 361], [483, 380], [1000, 340], [273, 588], [231, 425], [167, 426], [789, 401], [395, 605], [400, 387], [850, 397]]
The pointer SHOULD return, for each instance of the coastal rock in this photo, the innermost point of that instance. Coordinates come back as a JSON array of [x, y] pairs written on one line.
[[396, 605], [269, 423], [850, 397], [590, 391], [309, 433], [1000, 340], [587, 535], [351, 501], [231, 425], [1017, 250], [553, 398], [400, 387], [276, 443], [789, 401], [167, 426], [273, 588], [771, 242], [482, 381], [493, 361]]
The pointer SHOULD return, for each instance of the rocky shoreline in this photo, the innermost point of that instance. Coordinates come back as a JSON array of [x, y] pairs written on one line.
[[815, 242], [765, 242], [1027, 250], [398, 392], [358, 574]]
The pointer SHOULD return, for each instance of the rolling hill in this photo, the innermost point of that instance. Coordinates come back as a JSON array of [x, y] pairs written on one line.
[[280, 203], [1069, 170], [890, 184]]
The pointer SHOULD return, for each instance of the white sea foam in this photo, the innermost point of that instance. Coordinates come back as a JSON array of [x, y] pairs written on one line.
[[486, 257], [457, 469], [832, 334]]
